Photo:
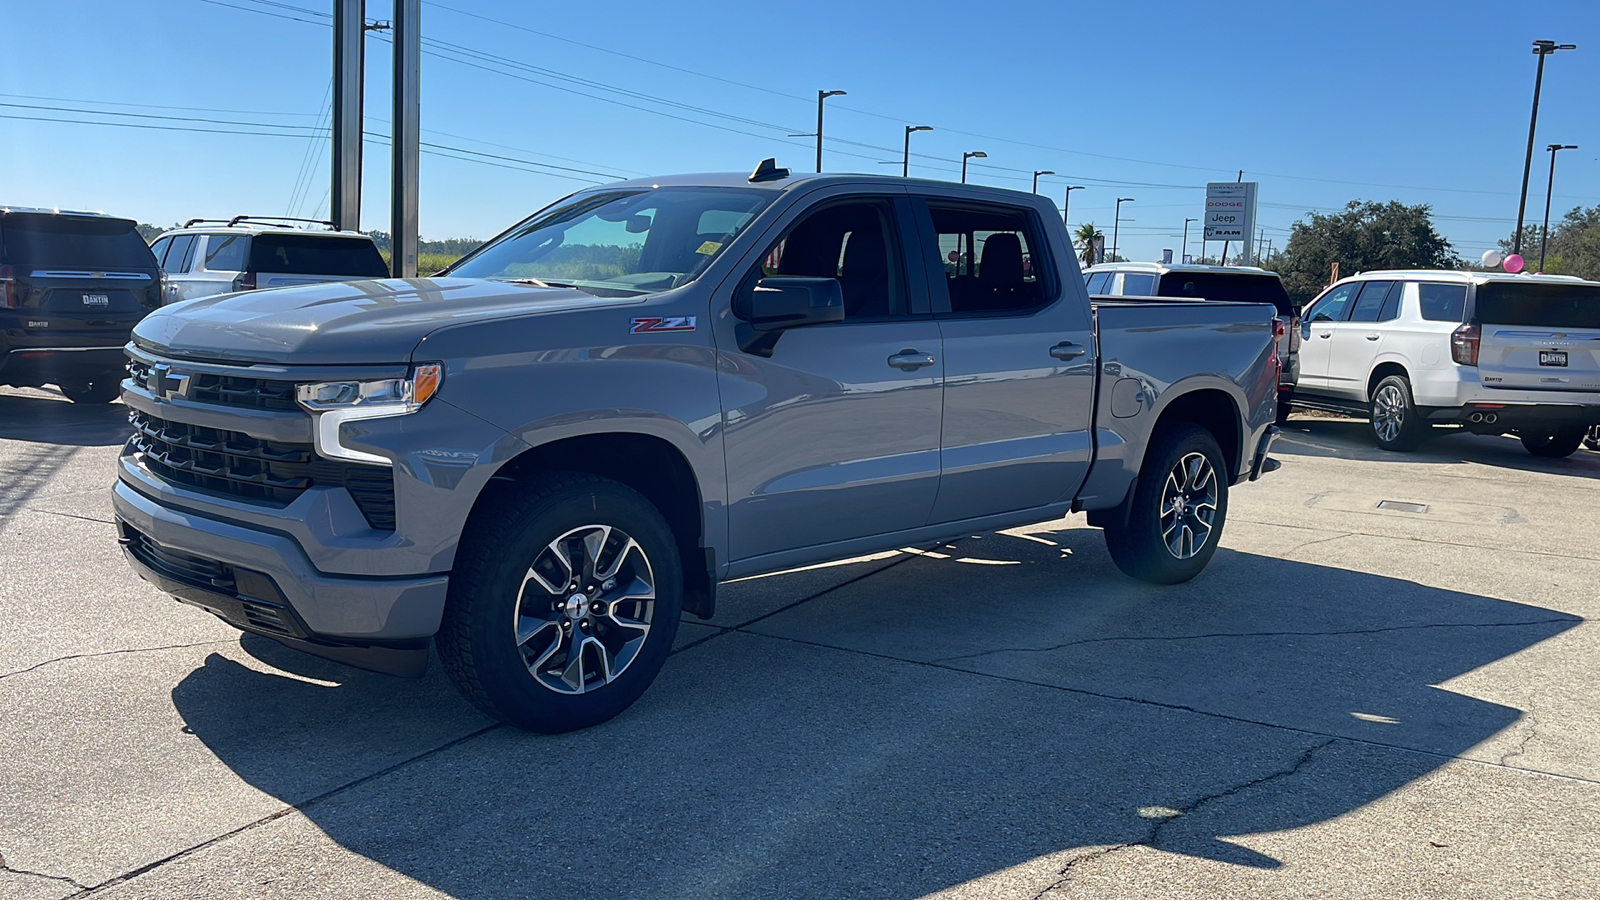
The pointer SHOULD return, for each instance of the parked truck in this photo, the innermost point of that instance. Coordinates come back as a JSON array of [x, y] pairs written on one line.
[[541, 458]]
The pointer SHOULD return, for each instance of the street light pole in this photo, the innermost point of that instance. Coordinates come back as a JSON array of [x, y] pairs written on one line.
[[1544, 239], [821, 96], [905, 163], [1186, 238], [1036, 178], [1116, 225], [976, 154], [1541, 49], [1067, 201]]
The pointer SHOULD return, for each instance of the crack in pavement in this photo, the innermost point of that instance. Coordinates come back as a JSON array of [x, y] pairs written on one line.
[[67, 515], [40, 665], [1153, 839], [1248, 634], [1419, 540], [1531, 729], [1298, 547], [6, 867]]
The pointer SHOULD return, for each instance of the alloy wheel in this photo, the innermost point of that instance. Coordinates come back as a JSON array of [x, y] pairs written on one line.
[[1388, 413], [584, 609], [1189, 506]]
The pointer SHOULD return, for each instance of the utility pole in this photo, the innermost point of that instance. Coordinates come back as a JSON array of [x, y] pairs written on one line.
[[1116, 225], [1036, 178], [905, 165], [821, 96], [976, 154], [1186, 239], [1541, 49], [349, 64], [1544, 239], [406, 136]]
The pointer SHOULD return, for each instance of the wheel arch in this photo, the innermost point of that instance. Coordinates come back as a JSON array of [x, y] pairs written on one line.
[[647, 463], [1216, 411], [1383, 370]]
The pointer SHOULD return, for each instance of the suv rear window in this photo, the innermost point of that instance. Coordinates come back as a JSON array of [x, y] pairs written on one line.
[[305, 254], [1538, 304], [73, 242], [1243, 287]]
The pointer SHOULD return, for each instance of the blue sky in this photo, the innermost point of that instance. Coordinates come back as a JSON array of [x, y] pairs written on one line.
[[1321, 102]]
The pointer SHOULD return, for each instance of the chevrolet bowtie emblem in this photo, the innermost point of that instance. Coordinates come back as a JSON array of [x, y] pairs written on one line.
[[167, 384]]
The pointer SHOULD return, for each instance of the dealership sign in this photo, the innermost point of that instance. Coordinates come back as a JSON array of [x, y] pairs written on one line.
[[1230, 211]]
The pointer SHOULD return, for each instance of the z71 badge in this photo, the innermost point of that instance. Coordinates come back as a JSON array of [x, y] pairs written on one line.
[[654, 324]]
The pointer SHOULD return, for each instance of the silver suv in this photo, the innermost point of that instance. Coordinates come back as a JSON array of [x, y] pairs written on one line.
[[217, 256]]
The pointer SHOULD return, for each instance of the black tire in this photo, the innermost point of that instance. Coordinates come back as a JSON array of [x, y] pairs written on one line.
[[100, 391], [496, 598], [1397, 424], [1592, 438], [1140, 547], [1558, 444]]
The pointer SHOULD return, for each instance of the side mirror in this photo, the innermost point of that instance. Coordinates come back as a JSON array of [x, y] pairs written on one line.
[[779, 303]]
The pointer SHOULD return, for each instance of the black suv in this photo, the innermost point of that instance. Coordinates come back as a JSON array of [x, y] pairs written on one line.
[[72, 286]]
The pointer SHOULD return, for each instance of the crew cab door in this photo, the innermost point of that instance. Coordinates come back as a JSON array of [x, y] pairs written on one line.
[[1019, 359], [835, 435]]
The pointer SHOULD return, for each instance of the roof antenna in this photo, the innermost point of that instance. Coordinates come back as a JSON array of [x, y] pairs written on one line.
[[768, 171]]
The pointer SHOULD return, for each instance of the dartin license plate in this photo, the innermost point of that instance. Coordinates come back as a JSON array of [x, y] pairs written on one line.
[[1552, 357], [105, 300]]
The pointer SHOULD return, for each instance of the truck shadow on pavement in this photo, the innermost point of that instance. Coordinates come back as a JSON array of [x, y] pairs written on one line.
[[45, 417], [1347, 439], [1003, 701]]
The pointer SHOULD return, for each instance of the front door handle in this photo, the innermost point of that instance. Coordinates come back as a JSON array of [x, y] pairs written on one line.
[[911, 360], [1067, 350], [1325, 334], [1373, 337]]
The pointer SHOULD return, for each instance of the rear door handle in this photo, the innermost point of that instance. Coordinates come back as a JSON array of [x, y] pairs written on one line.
[[1325, 334], [1373, 337], [1067, 350], [911, 360]]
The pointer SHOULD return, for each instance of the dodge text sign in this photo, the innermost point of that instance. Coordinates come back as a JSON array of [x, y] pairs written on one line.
[[1230, 210]]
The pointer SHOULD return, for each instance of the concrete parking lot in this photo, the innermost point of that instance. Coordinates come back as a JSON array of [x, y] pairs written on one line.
[[1351, 702]]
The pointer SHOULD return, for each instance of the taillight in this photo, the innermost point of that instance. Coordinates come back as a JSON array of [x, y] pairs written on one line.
[[8, 286], [245, 282], [1280, 327], [1464, 344]]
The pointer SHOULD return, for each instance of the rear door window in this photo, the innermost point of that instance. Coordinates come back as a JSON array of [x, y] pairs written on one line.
[[1002, 266], [1546, 304], [1136, 285], [310, 254], [159, 248], [1442, 302], [1100, 282], [226, 252], [74, 242], [1374, 294]]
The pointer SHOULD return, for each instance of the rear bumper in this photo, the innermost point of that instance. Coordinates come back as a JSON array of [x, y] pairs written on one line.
[[1488, 417]]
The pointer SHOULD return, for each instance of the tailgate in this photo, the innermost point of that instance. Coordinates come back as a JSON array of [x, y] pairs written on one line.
[[1539, 335], [90, 295]]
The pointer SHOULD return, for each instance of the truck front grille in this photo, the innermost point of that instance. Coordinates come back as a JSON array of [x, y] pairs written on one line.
[[247, 468], [227, 390]]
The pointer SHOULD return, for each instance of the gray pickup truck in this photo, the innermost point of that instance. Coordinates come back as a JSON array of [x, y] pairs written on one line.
[[540, 458]]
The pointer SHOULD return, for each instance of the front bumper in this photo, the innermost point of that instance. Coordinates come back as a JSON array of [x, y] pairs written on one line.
[[312, 605]]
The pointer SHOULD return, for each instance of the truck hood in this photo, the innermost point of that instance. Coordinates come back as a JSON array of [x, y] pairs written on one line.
[[342, 323]]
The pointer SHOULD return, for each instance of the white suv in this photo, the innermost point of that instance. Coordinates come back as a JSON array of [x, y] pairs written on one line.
[[1492, 353], [216, 256]]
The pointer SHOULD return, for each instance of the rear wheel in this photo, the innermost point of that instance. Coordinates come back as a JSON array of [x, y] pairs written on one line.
[[101, 390], [1556, 444], [1396, 423], [563, 604], [1177, 510]]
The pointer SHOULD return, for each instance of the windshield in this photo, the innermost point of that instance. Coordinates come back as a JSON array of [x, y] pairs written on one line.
[[1571, 305], [620, 243], [74, 242]]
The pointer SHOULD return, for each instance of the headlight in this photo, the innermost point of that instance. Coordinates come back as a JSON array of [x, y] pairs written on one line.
[[333, 403]]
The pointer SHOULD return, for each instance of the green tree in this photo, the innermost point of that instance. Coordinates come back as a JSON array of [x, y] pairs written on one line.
[[1365, 236], [1574, 244], [1085, 237]]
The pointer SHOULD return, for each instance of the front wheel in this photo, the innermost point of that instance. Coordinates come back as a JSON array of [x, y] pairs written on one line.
[[100, 391], [1177, 510], [1552, 444], [563, 604], [1396, 423]]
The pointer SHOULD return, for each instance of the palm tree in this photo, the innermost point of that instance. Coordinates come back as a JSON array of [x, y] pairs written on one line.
[[1085, 236]]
